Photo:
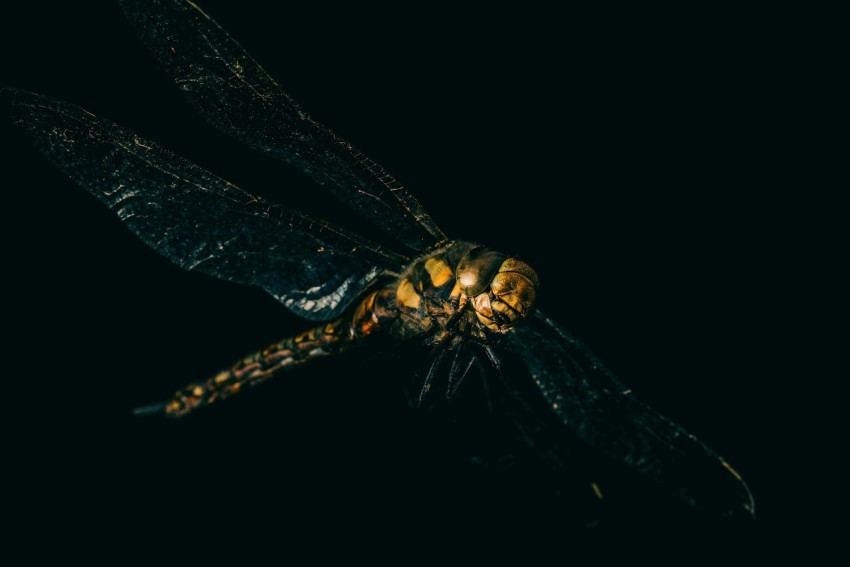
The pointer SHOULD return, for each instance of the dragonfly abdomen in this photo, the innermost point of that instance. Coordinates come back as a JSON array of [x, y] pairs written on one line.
[[328, 338], [420, 294]]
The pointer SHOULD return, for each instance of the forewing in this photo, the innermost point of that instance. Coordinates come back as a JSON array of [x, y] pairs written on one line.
[[199, 221], [237, 96], [595, 406]]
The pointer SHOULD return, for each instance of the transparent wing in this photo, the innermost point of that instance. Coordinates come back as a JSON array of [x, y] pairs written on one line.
[[600, 411], [199, 221], [237, 96]]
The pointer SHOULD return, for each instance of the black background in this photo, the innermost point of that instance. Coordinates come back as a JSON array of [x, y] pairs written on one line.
[[656, 185]]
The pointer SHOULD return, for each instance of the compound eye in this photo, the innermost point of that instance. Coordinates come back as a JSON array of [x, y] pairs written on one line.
[[471, 282], [514, 293], [476, 270]]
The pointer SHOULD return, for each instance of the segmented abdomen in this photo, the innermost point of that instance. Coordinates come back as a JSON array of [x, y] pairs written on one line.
[[328, 338]]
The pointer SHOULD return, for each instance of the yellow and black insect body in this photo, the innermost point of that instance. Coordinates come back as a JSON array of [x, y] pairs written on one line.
[[461, 292], [413, 285]]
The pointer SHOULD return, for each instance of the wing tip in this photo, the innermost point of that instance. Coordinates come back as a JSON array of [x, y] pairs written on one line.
[[749, 503]]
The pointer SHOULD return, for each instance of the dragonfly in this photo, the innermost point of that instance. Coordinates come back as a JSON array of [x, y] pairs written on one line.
[[471, 310]]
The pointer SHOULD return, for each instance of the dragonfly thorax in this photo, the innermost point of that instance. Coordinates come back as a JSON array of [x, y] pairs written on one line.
[[464, 289]]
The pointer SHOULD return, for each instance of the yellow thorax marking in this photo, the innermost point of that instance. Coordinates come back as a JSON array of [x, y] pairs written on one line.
[[407, 295], [439, 271]]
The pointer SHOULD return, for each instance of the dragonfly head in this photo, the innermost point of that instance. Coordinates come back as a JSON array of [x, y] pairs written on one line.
[[501, 290]]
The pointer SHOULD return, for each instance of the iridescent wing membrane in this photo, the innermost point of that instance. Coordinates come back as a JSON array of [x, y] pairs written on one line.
[[603, 413], [204, 223], [201, 222], [237, 96]]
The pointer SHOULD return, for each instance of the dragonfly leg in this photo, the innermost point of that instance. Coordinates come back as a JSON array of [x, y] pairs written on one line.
[[432, 371], [463, 361]]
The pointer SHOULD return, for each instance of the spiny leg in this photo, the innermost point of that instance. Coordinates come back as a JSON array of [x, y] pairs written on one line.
[[462, 362], [460, 367], [492, 357], [432, 371]]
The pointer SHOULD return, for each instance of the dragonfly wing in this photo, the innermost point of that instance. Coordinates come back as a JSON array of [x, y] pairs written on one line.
[[237, 96], [600, 411], [199, 221]]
